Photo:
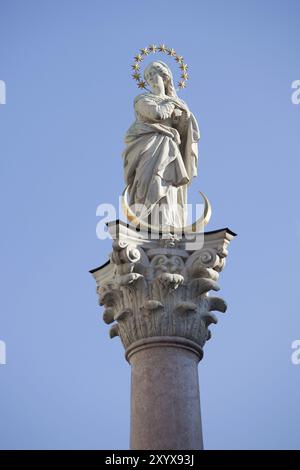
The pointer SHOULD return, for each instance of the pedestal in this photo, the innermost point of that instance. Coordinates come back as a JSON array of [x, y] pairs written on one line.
[[156, 294]]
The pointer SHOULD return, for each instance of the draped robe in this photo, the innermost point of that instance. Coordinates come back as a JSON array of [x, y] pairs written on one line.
[[160, 159]]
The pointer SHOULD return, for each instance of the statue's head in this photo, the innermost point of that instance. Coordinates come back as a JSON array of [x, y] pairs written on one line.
[[159, 77]]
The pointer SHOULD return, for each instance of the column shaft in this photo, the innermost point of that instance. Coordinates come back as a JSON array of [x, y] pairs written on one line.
[[165, 401]]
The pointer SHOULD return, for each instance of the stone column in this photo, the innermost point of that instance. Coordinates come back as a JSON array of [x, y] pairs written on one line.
[[165, 402], [156, 294]]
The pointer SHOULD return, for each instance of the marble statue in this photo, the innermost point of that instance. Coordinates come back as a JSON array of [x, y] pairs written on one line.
[[160, 158]]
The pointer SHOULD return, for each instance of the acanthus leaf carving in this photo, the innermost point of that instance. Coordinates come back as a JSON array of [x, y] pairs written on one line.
[[162, 288]]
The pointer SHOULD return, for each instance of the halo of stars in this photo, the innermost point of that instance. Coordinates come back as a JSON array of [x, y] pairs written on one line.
[[152, 49]]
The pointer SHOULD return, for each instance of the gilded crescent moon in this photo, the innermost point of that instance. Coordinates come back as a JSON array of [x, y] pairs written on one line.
[[194, 227]]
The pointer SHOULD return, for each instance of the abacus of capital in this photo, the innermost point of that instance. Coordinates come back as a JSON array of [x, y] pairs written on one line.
[[156, 286]]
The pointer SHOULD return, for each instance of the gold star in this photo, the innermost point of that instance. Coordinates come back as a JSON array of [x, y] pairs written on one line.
[[162, 48], [183, 67], [144, 51], [142, 84], [136, 66], [171, 52], [179, 58], [182, 84], [185, 76], [138, 58], [153, 48], [136, 76]]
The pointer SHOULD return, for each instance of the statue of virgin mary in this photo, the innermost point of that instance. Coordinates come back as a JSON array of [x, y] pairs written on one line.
[[161, 153]]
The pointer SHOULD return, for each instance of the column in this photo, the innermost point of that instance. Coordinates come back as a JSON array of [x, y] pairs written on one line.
[[156, 295]]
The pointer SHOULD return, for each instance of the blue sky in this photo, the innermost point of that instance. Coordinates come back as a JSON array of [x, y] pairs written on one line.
[[66, 65]]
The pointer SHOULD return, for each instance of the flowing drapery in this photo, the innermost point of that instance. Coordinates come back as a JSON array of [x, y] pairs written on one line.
[[160, 159]]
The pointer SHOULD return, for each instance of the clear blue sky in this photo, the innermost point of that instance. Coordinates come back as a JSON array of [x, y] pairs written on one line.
[[66, 65]]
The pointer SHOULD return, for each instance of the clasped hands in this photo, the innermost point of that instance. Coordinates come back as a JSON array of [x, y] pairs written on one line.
[[181, 108]]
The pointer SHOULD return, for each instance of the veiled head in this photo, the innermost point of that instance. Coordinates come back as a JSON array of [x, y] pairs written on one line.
[[159, 77]]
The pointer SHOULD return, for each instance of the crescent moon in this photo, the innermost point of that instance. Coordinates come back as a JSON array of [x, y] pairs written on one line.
[[194, 227]]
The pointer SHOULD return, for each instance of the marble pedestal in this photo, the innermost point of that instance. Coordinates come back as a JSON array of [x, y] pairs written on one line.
[[156, 294]]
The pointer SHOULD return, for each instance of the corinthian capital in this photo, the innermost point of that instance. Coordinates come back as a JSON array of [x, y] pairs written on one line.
[[151, 288]]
